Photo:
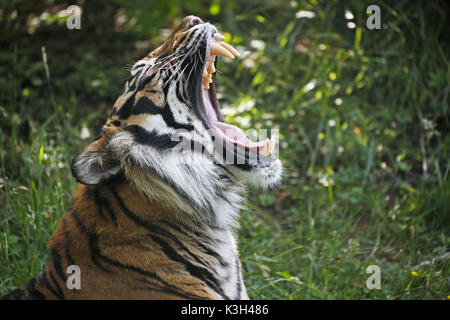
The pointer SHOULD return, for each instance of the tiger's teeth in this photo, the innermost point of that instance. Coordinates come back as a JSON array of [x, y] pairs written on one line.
[[211, 68], [205, 83], [205, 80], [230, 48], [219, 50], [266, 149]]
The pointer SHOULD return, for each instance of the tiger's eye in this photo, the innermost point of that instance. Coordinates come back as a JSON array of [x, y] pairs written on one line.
[[195, 21]]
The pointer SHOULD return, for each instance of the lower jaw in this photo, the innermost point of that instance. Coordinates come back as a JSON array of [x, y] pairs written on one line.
[[232, 136]]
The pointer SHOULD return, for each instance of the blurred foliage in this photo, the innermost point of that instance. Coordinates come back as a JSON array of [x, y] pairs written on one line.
[[362, 114]]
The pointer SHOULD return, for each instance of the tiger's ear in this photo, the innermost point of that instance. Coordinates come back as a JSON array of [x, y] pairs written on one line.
[[94, 164]]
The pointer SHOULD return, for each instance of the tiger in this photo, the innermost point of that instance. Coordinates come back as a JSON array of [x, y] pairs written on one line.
[[149, 219]]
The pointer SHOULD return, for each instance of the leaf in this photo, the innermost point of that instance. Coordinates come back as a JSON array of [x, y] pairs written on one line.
[[12, 239], [41, 154]]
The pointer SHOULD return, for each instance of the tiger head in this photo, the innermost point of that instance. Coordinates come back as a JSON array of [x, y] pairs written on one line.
[[166, 131]]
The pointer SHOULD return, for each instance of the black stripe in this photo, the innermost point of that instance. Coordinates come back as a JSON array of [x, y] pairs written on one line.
[[96, 138], [170, 236], [226, 154], [57, 264], [247, 156], [180, 92], [43, 281], [145, 105], [58, 288], [67, 242], [225, 169], [164, 289], [125, 111], [92, 241], [199, 272], [132, 83], [110, 210], [96, 254], [113, 111], [139, 66], [151, 138], [33, 293], [147, 78], [197, 146], [138, 220], [180, 42], [98, 203], [149, 274], [238, 275], [154, 228], [104, 203], [244, 167], [194, 235]]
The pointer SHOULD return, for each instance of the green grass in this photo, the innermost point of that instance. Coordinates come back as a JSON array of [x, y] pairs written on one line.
[[363, 122]]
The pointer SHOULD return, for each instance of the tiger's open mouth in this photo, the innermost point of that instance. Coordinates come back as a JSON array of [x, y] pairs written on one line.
[[212, 114]]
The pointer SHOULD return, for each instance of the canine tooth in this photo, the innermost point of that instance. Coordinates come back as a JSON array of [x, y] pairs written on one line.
[[218, 50], [272, 145], [266, 149], [230, 48], [211, 68]]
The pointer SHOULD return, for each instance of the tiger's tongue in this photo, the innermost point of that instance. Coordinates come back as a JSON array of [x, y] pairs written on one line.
[[231, 133]]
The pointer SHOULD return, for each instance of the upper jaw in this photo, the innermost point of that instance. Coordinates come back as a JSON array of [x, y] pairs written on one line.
[[216, 48]]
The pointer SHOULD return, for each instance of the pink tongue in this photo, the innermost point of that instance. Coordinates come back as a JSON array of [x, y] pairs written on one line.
[[235, 135], [232, 134], [209, 108]]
